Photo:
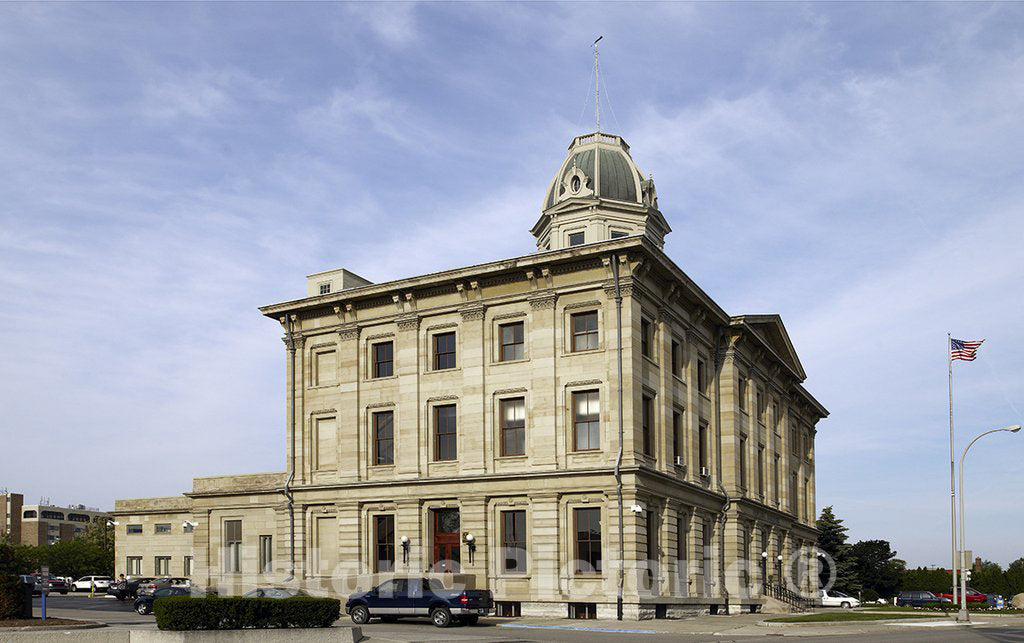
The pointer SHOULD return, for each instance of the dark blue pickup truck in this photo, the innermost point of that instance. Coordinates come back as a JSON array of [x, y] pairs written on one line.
[[400, 597]]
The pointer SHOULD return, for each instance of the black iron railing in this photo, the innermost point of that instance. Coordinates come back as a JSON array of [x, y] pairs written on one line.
[[788, 596]]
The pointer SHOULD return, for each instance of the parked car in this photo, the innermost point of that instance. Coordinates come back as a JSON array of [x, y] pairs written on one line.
[[835, 598], [274, 592], [128, 588], [86, 583], [420, 597], [917, 599], [144, 604], [150, 586], [973, 596]]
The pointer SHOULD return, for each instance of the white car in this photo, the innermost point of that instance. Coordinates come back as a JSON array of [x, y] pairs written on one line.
[[835, 598], [84, 583]]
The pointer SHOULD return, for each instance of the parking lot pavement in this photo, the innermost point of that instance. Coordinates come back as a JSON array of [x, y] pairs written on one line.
[[101, 608]]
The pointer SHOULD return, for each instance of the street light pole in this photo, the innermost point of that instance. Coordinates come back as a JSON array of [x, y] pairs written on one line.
[[964, 616]]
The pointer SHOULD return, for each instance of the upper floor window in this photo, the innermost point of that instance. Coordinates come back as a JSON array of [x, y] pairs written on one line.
[[743, 463], [576, 239], [677, 359], [444, 432], [647, 417], [383, 359], [702, 445], [444, 351], [760, 471], [133, 529], [53, 515], [584, 331], [325, 289], [29, 513], [511, 342], [513, 426], [384, 437], [702, 376], [618, 234], [776, 418], [586, 421], [646, 339], [741, 392], [162, 528]]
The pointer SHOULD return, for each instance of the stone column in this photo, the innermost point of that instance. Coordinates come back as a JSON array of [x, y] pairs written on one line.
[[407, 422], [473, 516], [545, 563], [472, 403], [348, 403], [543, 401]]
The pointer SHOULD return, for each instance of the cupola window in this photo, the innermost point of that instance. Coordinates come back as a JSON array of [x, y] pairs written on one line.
[[575, 184]]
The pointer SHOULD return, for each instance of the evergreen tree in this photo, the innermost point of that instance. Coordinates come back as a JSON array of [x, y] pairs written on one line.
[[876, 566], [832, 541], [1015, 577], [990, 579]]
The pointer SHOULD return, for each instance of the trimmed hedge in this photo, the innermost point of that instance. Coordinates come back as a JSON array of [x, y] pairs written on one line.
[[215, 613]]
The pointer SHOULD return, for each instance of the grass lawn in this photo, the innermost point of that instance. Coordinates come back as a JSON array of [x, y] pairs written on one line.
[[831, 617]]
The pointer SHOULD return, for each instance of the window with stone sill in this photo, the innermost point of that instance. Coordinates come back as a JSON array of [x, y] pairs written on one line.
[[382, 359], [584, 331], [444, 351], [512, 344], [646, 338], [741, 392]]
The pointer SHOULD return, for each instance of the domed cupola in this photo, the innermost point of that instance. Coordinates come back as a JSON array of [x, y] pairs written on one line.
[[599, 193]]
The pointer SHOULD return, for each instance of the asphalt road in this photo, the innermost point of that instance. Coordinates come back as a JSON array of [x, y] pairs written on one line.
[[715, 629]]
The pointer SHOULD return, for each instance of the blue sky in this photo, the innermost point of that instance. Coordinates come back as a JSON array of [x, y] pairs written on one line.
[[167, 168]]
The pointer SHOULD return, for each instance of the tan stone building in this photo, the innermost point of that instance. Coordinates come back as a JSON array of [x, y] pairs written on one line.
[[43, 524], [486, 420]]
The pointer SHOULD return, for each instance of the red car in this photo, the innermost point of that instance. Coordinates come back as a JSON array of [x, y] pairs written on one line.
[[973, 596]]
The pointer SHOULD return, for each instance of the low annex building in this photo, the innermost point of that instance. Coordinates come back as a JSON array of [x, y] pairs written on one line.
[[44, 523], [485, 420]]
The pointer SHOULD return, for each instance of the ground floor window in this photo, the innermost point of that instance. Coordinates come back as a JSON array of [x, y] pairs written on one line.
[[266, 554], [587, 528], [513, 541], [508, 608], [134, 566], [583, 610], [232, 546], [162, 565], [384, 543], [186, 567]]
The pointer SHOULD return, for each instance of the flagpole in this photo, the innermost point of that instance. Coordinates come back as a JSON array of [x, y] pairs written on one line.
[[952, 484]]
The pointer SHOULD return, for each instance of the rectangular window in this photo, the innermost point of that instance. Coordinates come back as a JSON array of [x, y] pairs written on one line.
[[743, 463], [702, 445], [133, 529], [702, 376], [232, 546], [186, 566], [587, 527], [618, 234], [647, 418], [646, 340], [677, 359], [775, 478], [384, 437], [681, 548], [325, 367], [794, 442], [511, 342], [325, 443], [586, 420], [162, 565], [444, 351], [776, 418], [807, 499], [383, 359], [652, 546], [162, 528], [513, 541], [741, 392], [325, 289], [760, 471], [513, 426], [584, 331], [677, 437], [576, 239], [384, 544], [134, 566], [762, 407], [445, 439], [266, 554], [792, 494]]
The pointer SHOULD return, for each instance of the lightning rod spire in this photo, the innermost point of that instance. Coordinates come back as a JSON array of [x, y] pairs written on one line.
[[597, 83]]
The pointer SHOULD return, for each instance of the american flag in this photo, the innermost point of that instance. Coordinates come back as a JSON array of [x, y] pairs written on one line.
[[964, 349]]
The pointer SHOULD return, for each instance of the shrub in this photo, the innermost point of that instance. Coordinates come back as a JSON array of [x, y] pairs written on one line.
[[15, 598], [213, 613], [868, 595]]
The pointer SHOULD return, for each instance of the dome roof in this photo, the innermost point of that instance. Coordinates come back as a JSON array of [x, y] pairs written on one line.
[[598, 166]]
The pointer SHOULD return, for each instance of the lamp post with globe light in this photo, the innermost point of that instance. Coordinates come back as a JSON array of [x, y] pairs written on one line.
[[963, 615]]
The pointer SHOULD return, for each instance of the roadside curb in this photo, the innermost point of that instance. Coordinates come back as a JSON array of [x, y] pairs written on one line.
[[54, 628], [888, 621]]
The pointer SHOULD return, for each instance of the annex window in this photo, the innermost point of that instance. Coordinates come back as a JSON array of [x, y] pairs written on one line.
[[584, 331], [587, 529], [511, 342], [232, 546], [162, 565], [29, 513], [513, 541], [383, 544], [383, 359], [445, 440], [162, 528], [513, 426], [53, 515], [266, 554], [647, 417], [133, 529], [743, 463], [134, 566], [576, 239], [586, 420], [646, 338], [186, 566], [444, 351], [384, 437]]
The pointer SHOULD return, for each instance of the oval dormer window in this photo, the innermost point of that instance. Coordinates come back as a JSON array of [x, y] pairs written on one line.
[[574, 184]]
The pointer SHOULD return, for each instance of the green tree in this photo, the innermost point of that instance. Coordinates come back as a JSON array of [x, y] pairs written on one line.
[[832, 541], [937, 581], [990, 579], [1015, 577], [876, 566]]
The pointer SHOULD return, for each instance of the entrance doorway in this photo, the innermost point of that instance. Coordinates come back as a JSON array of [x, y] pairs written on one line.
[[447, 542]]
